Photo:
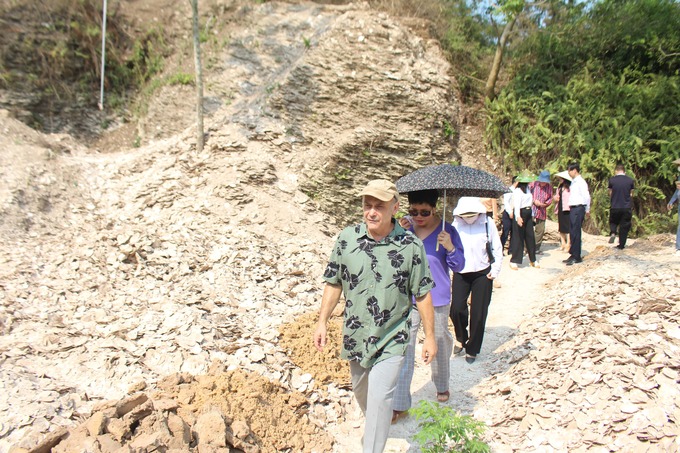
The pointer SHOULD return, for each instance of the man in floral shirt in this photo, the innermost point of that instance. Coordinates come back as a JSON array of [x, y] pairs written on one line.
[[378, 266]]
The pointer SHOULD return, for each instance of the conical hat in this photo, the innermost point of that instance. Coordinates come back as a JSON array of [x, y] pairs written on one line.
[[526, 176], [564, 175]]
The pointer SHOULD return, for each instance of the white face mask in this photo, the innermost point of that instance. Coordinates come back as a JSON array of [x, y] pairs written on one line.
[[470, 220]]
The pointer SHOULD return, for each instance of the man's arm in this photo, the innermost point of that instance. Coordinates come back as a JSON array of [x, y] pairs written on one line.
[[585, 192], [331, 296], [516, 200], [549, 193], [426, 311]]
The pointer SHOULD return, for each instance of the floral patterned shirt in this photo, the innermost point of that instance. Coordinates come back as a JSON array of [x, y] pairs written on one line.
[[378, 280]]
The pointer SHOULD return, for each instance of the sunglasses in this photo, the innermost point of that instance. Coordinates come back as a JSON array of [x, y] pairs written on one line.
[[421, 213]]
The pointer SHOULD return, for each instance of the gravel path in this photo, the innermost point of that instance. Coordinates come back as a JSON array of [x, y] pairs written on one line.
[[521, 292]]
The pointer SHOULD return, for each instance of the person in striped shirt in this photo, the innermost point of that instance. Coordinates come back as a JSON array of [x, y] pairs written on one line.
[[542, 194]]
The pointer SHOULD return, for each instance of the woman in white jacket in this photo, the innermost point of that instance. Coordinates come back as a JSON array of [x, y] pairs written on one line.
[[483, 259]]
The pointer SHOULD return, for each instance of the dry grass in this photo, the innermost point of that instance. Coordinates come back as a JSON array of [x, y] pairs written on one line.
[[429, 10]]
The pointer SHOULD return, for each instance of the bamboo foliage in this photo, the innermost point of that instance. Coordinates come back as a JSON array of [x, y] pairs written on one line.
[[608, 107]]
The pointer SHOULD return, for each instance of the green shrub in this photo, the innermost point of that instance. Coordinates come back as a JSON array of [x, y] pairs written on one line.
[[444, 430], [598, 87], [59, 61], [181, 78]]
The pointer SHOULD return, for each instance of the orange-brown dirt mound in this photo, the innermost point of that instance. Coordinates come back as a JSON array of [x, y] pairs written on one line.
[[208, 413], [325, 367], [270, 416]]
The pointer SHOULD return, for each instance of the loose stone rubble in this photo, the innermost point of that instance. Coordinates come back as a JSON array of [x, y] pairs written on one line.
[[158, 298], [597, 369], [121, 269]]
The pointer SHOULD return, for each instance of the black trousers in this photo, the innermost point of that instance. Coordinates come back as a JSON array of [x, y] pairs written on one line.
[[576, 216], [461, 287], [523, 236], [621, 219], [506, 222]]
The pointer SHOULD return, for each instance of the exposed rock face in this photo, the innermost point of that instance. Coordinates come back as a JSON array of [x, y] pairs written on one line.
[[373, 100], [120, 269]]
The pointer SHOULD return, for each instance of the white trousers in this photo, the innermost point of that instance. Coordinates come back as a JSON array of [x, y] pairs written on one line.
[[373, 389]]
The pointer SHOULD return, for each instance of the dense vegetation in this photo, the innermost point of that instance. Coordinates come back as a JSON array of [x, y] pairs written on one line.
[[52, 56], [595, 82], [599, 84]]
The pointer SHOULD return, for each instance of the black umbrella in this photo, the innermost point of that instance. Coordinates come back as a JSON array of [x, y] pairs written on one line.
[[457, 179]]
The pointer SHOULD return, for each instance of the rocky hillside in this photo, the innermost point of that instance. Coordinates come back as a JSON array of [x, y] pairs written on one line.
[[120, 269], [154, 298]]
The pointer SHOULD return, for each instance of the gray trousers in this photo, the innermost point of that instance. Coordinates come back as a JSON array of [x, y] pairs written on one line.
[[539, 231], [440, 364], [373, 389]]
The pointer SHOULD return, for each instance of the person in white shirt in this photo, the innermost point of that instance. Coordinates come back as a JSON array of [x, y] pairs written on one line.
[[523, 223], [483, 259], [579, 208], [506, 219]]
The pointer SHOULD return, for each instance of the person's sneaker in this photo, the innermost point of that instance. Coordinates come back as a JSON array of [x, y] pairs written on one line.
[[457, 349], [573, 261], [535, 264], [612, 238], [677, 252], [514, 266]]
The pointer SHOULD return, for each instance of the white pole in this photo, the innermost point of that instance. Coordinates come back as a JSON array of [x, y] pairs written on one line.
[[101, 89], [443, 219]]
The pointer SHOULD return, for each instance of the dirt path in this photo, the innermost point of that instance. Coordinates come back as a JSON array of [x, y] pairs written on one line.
[[521, 292]]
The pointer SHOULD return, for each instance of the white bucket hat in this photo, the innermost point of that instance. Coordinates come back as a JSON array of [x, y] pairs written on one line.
[[469, 206]]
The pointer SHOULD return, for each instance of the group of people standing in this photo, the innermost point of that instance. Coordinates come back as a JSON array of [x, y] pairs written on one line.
[[525, 212], [398, 275]]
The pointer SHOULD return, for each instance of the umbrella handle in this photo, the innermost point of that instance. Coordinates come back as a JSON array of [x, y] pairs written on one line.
[[443, 220]]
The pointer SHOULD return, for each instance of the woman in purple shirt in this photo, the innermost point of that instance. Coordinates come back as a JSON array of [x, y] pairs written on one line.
[[445, 255]]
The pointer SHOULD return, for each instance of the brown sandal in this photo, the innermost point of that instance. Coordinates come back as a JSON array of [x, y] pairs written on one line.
[[396, 415], [443, 397]]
